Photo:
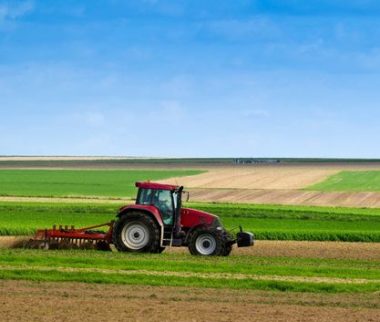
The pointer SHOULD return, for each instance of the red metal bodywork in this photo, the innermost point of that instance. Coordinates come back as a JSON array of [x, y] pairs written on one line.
[[192, 217], [148, 208], [189, 217], [155, 186]]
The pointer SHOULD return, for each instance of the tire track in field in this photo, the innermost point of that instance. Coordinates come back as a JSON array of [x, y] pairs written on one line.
[[237, 276]]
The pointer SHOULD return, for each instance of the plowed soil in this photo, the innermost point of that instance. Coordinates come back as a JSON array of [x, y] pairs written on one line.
[[288, 197], [31, 301]]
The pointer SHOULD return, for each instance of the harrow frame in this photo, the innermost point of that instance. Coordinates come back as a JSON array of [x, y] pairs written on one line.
[[77, 237]]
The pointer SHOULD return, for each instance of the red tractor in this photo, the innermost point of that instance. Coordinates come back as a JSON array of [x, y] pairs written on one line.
[[155, 221]]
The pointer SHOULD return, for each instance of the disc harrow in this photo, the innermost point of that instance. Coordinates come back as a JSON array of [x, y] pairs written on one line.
[[65, 237]]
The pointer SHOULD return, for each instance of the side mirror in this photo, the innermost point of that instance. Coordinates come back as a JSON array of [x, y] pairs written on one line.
[[187, 193]]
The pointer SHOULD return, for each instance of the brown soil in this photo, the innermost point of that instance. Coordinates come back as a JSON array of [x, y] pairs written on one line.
[[13, 241], [313, 249], [32, 301], [269, 248], [306, 249], [288, 197]]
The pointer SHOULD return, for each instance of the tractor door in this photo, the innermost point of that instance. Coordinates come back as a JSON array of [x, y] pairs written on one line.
[[162, 200]]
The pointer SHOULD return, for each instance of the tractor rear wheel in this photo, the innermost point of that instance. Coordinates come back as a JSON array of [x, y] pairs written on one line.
[[206, 243], [136, 232], [227, 249]]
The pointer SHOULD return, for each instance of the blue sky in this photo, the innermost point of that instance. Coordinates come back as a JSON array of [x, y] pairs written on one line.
[[190, 78]]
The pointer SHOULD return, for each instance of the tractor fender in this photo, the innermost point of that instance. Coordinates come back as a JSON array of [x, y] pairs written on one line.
[[149, 210], [192, 229]]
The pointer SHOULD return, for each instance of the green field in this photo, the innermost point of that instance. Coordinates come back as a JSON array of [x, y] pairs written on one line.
[[367, 181], [180, 269], [267, 222], [57, 183], [243, 272]]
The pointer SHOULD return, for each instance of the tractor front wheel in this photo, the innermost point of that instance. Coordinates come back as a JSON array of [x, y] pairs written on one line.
[[136, 232], [206, 243]]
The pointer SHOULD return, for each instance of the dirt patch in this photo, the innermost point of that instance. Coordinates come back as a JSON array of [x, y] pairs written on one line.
[[31, 301], [13, 241]]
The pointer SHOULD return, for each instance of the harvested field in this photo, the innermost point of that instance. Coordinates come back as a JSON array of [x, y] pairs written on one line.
[[288, 197], [263, 177], [276, 184], [305, 249], [31, 301], [313, 249]]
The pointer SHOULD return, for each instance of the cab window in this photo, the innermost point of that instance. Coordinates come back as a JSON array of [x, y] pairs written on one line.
[[162, 199]]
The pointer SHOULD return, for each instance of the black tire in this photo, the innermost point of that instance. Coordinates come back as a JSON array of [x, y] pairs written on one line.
[[206, 242], [227, 249], [136, 232], [160, 249], [103, 246]]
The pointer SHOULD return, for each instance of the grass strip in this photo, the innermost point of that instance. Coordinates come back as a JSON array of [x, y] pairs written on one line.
[[362, 225], [356, 181], [179, 262], [162, 280]]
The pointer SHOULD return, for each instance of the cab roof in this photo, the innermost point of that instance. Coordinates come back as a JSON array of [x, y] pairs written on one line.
[[155, 186]]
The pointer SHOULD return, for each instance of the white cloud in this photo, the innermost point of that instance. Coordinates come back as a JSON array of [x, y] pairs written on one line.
[[15, 9]]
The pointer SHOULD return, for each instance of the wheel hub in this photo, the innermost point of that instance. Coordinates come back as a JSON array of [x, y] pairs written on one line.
[[205, 244], [135, 236]]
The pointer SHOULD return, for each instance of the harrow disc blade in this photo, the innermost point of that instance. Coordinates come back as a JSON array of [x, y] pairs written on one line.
[[36, 244]]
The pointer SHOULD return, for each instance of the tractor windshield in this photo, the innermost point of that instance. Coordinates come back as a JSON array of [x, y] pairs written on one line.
[[162, 199]]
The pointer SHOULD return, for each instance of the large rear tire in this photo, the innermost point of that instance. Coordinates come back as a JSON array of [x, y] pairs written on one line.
[[227, 249], [136, 232], [206, 242]]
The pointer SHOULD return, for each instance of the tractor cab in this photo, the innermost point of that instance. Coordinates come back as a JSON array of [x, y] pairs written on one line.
[[166, 198]]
